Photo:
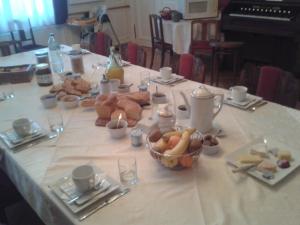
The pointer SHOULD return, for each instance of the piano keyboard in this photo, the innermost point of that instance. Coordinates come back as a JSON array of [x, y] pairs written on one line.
[[260, 17]]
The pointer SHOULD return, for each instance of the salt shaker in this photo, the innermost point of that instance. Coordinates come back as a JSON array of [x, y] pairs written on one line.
[[136, 137], [104, 85]]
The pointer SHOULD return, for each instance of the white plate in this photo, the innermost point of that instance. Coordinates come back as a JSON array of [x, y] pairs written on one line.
[[249, 101], [75, 208], [12, 140], [271, 144]]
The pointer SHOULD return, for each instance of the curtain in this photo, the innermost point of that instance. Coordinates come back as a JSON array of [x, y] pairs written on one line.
[[40, 12]]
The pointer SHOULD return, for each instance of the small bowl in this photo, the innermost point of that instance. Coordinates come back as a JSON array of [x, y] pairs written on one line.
[[49, 101], [210, 149], [70, 101], [123, 88], [159, 98], [117, 133], [22, 127]]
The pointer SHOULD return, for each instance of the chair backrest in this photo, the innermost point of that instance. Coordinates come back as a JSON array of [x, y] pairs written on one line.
[[18, 33], [205, 30], [5, 48], [100, 43], [269, 82], [190, 66], [134, 54], [156, 29]]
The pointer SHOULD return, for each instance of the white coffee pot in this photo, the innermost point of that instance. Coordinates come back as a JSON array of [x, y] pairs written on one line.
[[204, 106]]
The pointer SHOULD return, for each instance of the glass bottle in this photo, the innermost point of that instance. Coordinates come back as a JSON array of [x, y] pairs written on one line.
[[114, 68], [56, 60]]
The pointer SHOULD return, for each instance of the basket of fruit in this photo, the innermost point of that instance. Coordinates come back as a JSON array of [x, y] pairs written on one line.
[[177, 149]]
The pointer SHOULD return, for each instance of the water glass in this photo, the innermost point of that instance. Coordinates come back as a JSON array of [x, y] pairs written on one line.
[[6, 91], [127, 170], [55, 121], [145, 78]]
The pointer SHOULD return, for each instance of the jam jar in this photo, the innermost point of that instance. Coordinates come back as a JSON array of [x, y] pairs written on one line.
[[43, 74]]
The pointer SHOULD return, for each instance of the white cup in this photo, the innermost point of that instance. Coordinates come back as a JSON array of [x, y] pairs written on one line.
[[114, 84], [166, 73], [182, 112], [238, 93], [84, 178], [76, 47], [22, 127]]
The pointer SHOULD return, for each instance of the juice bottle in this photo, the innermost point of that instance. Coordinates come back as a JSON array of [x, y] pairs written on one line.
[[114, 68]]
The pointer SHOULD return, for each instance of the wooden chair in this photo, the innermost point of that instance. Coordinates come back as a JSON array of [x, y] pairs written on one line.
[[206, 41], [202, 32], [19, 36], [157, 39], [134, 54], [269, 82], [5, 47], [191, 67], [100, 43]]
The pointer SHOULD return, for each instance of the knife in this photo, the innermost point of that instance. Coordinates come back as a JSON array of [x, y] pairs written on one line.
[[105, 203], [35, 142]]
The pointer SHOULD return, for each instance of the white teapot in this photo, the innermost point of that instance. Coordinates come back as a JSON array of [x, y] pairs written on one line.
[[204, 106]]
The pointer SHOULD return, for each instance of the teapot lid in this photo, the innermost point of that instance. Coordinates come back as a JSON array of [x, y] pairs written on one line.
[[202, 92]]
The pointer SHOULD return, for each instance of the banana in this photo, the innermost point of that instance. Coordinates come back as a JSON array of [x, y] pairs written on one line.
[[172, 133], [182, 145], [178, 150], [169, 161]]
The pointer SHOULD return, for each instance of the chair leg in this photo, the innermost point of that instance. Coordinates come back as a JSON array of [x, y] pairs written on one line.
[[236, 64], [216, 71], [203, 74], [171, 58], [152, 57], [162, 58]]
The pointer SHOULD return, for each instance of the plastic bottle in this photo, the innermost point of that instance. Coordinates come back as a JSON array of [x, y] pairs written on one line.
[[56, 60]]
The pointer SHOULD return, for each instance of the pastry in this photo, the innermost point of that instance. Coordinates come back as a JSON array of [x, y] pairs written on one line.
[[266, 165], [260, 151], [283, 154], [248, 158], [88, 102]]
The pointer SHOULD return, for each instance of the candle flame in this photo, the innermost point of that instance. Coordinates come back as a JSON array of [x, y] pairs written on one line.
[[119, 118]]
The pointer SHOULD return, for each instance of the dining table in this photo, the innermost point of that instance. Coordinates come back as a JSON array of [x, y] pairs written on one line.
[[209, 193]]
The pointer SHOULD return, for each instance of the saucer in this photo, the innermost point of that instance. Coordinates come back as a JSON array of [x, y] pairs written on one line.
[[85, 200]]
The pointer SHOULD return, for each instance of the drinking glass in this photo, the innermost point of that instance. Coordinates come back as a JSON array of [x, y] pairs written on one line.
[[55, 121], [145, 78], [127, 170], [6, 91]]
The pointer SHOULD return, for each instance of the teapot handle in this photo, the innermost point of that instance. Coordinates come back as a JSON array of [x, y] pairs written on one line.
[[219, 98]]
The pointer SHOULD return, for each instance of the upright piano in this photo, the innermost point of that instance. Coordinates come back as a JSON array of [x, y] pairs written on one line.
[[270, 30]]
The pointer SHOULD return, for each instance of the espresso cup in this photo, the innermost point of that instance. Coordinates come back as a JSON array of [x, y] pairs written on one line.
[[84, 178], [182, 112], [22, 127], [166, 73], [238, 93], [76, 47]]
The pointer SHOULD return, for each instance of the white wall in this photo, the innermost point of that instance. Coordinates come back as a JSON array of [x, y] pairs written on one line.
[[65, 34]]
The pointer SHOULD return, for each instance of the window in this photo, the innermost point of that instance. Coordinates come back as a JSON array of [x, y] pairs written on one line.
[[40, 12]]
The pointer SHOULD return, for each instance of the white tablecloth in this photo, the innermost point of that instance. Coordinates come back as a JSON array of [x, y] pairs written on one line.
[[208, 194], [178, 34]]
